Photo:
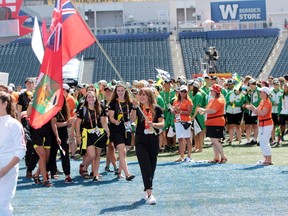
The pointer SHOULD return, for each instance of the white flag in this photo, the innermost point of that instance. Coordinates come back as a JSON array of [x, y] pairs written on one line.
[[163, 74], [197, 127], [36, 42]]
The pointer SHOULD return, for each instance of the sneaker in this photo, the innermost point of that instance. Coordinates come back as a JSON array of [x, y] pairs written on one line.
[[145, 196], [151, 200], [107, 169], [253, 142], [116, 170], [68, 180], [179, 159], [275, 144], [188, 160]]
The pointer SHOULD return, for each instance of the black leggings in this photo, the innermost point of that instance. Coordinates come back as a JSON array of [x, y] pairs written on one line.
[[147, 148], [52, 166]]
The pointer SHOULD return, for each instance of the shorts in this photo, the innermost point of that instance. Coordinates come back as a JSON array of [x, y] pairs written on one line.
[[97, 141], [283, 119], [275, 119], [39, 138], [181, 132], [234, 118], [215, 131], [250, 120], [120, 137]]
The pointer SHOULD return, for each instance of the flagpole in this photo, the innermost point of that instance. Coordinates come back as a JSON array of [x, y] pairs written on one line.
[[114, 68]]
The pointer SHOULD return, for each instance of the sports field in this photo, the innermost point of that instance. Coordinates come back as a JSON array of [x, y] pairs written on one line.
[[239, 187]]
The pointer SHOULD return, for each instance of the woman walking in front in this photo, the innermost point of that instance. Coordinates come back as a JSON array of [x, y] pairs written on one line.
[[120, 127], [12, 150], [147, 142]]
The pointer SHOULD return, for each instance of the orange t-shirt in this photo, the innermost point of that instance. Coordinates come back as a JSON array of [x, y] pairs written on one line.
[[268, 117], [184, 107], [71, 104], [216, 119]]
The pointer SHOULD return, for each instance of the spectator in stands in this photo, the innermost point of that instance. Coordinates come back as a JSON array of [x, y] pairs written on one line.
[[215, 122], [12, 150], [250, 118], [182, 108], [119, 116], [264, 112], [275, 97], [146, 141]]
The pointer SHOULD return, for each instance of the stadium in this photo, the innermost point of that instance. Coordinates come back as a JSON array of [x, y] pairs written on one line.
[[140, 36], [176, 46]]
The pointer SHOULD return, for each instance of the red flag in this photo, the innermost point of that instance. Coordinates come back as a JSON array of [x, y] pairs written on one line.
[[68, 36], [44, 32]]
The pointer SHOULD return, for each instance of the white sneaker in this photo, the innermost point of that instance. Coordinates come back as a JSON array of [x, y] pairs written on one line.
[[188, 160], [146, 196], [151, 200]]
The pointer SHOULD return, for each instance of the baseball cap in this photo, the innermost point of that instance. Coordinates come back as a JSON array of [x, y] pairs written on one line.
[[217, 88], [110, 87], [104, 82], [196, 84], [230, 81], [183, 88], [266, 90], [66, 86], [28, 80], [252, 81]]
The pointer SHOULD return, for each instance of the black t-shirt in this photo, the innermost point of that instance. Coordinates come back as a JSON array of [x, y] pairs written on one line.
[[60, 118], [88, 118], [23, 100], [126, 109], [141, 120]]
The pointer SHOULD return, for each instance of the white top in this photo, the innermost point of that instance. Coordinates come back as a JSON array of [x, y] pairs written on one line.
[[12, 141]]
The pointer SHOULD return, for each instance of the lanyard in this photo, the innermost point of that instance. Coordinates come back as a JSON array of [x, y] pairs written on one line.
[[149, 116], [121, 110], [90, 118]]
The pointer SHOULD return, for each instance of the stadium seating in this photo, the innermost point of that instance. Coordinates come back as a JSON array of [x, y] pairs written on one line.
[[17, 59], [134, 56], [281, 66], [242, 51]]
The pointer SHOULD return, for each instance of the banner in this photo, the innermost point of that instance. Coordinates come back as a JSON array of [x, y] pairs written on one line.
[[242, 11]]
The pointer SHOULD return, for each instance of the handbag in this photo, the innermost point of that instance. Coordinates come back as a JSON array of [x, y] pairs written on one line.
[[186, 125]]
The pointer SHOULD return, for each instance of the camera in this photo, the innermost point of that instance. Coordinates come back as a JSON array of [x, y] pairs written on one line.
[[212, 53]]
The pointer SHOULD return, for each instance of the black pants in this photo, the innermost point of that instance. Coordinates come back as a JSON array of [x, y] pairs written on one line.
[[52, 165], [31, 157], [147, 148]]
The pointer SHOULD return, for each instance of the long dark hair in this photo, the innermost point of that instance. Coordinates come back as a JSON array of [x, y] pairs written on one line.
[[151, 98], [10, 109], [195, 90], [115, 96], [96, 103], [64, 110]]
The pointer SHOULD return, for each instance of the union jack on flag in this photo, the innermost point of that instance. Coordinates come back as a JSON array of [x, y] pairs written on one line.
[[61, 13]]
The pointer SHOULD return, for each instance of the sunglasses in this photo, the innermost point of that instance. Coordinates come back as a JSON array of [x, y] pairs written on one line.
[[183, 91]]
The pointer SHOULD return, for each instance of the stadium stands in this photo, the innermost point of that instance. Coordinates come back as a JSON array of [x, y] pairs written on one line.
[[17, 58], [281, 66], [135, 56], [241, 51]]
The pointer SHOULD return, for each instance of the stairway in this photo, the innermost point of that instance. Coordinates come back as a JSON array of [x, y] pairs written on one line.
[[274, 56], [177, 60], [87, 73]]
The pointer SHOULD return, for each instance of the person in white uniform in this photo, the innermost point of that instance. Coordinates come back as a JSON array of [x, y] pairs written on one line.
[[12, 150]]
